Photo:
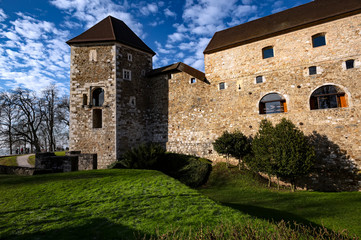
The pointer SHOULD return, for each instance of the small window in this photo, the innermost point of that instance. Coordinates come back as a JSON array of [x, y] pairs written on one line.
[[142, 73], [267, 52], [318, 40], [350, 64], [259, 79], [328, 96], [312, 70], [130, 57], [272, 103], [127, 74], [98, 97], [97, 118], [222, 85], [193, 80]]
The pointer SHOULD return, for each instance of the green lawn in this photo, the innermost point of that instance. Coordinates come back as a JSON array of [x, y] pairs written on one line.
[[106, 204], [336, 211], [8, 161]]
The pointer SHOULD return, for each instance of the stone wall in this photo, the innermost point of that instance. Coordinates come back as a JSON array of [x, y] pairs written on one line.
[[93, 66], [196, 114]]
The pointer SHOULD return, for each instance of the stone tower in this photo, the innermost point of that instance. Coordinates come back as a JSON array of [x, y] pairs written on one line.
[[107, 83]]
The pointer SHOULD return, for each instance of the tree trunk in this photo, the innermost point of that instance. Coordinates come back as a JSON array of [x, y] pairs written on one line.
[[278, 183], [269, 180]]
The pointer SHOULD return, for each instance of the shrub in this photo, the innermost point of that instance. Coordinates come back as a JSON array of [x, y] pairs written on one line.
[[145, 156], [283, 151], [234, 144], [190, 170]]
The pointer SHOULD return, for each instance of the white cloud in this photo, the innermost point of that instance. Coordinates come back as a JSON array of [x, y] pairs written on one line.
[[35, 54], [176, 37], [2, 15], [93, 11], [150, 8], [169, 13]]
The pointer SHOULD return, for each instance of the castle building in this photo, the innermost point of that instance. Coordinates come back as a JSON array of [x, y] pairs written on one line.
[[303, 64]]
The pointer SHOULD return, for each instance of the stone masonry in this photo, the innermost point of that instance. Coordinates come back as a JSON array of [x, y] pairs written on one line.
[[186, 112]]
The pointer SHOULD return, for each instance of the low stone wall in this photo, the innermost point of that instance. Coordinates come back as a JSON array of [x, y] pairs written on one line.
[[72, 161], [22, 171]]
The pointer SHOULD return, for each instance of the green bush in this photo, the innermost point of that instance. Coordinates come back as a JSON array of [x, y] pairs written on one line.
[[190, 170], [145, 156]]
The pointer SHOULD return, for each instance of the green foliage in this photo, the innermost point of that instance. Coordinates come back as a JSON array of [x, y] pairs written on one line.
[[190, 170], [282, 151], [248, 192], [107, 204], [145, 156], [234, 144], [8, 161]]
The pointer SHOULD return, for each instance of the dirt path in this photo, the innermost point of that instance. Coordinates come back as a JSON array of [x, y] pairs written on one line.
[[23, 161]]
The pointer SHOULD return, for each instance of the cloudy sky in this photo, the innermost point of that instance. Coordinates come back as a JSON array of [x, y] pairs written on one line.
[[33, 52]]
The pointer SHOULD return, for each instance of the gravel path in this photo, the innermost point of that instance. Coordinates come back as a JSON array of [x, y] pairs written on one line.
[[23, 161]]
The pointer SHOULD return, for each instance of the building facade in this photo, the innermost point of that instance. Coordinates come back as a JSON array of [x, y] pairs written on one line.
[[303, 64]]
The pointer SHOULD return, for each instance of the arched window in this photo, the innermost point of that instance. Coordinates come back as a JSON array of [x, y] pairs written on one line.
[[272, 103], [328, 96], [98, 97]]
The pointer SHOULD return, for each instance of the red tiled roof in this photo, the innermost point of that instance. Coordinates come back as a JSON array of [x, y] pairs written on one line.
[[313, 13], [111, 29]]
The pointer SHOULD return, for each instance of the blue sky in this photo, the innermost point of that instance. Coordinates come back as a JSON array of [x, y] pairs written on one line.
[[33, 52]]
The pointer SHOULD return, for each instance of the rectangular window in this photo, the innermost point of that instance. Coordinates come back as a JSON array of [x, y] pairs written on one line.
[[193, 80], [127, 74], [85, 99], [97, 118], [259, 79], [350, 64], [222, 86], [312, 70], [267, 52], [318, 40], [130, 57]]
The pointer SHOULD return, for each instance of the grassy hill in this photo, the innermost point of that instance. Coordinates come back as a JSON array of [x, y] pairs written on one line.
[[242, 191], [105, 204]]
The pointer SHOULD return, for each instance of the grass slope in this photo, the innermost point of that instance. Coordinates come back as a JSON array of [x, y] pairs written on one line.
[[105, 204], [242, 191], [8, 161]]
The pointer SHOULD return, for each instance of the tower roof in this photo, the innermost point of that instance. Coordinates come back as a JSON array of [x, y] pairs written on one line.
[[111, 29], [306, 15]]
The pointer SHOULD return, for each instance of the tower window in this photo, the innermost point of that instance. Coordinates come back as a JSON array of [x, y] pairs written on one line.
[[259, 79], [193, 80], [312, 70], [130, 57], [318, 40], [98, 97], [328, 96], [97, 118], [350, 64], [267, 52], [127, 74]]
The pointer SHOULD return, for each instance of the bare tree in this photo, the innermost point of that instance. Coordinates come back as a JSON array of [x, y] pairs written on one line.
[[62, 110], [49, 101], [30, 116], [7, 120]]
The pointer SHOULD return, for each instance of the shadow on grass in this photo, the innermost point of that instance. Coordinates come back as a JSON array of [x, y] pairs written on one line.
[[97, 228], [276, 216]]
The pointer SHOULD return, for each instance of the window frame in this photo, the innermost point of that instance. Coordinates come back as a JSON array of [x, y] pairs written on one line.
[[311, 69], [315, 44], [127, 74], [130, 57], [341, 98], [192, 80], [96, 97], [264, 56], [262, 79], [352, 61], [262, 109], [97, 115], [223, 84]]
